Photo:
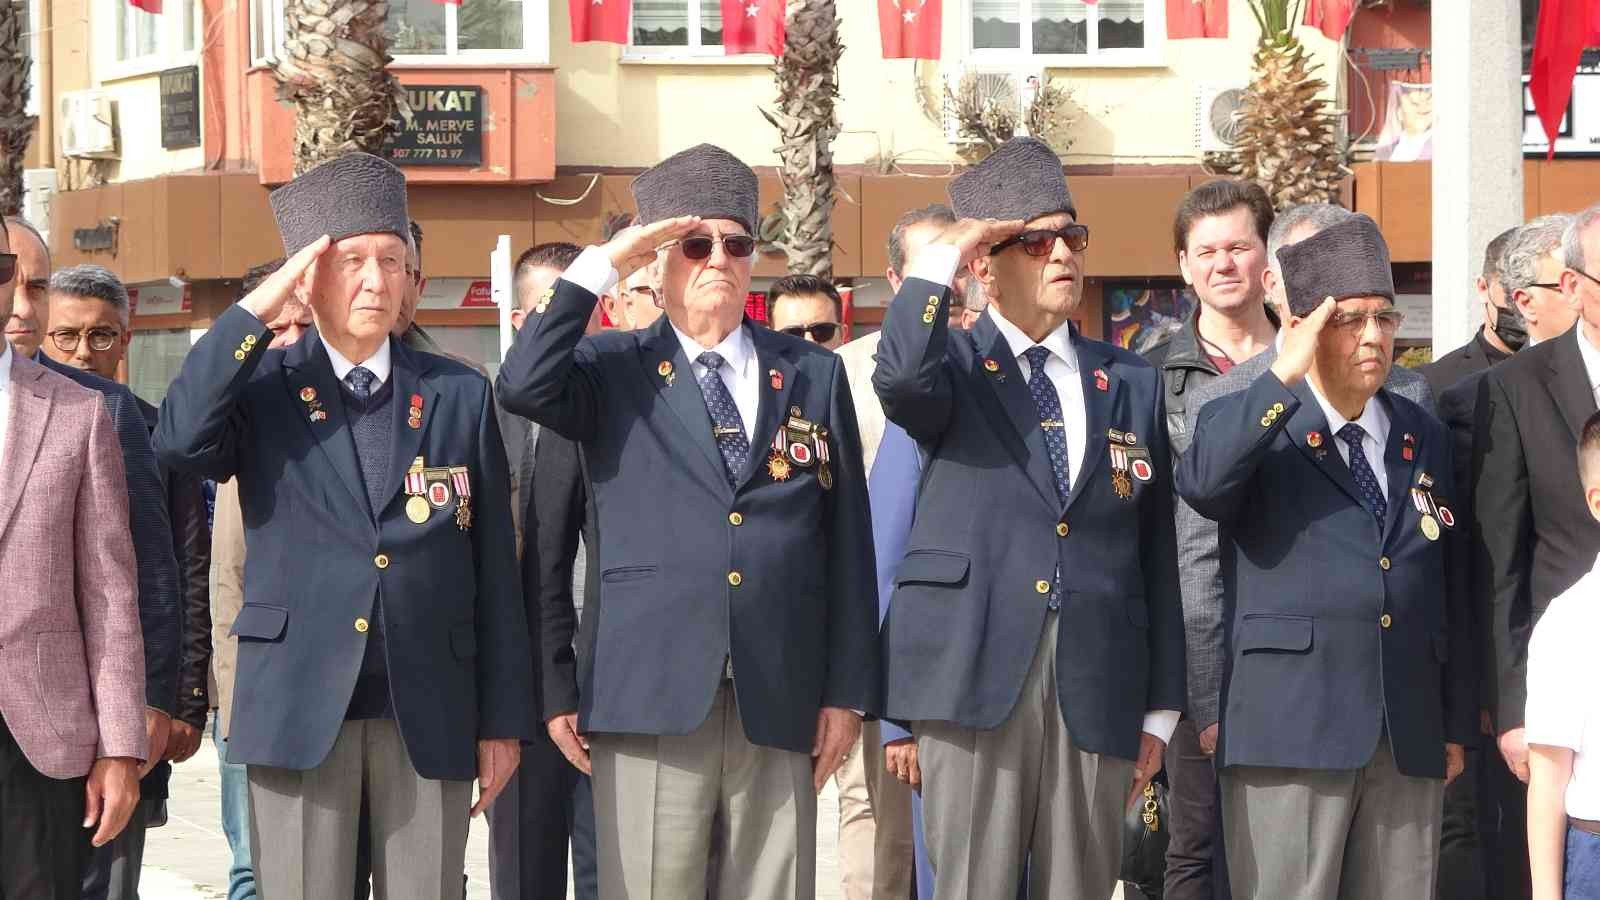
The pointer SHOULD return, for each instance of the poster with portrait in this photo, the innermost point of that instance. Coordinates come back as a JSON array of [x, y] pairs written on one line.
[[1407, 134], [1139, 314]]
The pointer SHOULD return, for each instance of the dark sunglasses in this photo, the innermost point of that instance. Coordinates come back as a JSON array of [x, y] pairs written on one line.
[[1041, 241], [699, 246], [821, 332], [8, 267]]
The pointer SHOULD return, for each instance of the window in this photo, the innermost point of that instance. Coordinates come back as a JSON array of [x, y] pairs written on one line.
[[1068, 32], [143, 41], [422, 31], [679, 29]]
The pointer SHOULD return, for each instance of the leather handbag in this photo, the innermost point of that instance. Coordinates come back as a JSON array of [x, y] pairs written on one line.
[[1144, 841]]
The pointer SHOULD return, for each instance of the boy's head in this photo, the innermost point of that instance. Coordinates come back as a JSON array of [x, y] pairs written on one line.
[[1589, 464]]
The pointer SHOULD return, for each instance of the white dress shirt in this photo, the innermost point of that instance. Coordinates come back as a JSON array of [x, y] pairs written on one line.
[[739, 372], [1374, 420], [5, 394], [378, 364], [1563, 707], [938, 263], [1591, 361]]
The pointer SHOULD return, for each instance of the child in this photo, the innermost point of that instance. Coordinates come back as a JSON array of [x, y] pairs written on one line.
[[1563, 722]]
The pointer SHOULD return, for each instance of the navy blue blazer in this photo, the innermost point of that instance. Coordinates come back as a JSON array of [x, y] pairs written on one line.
[[1338, 630], [990, 533], [458, 649], [160, 596], [779, 574]]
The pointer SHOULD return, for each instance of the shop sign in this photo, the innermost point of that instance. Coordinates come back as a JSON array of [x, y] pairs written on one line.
[[446, 127], [180, 108]]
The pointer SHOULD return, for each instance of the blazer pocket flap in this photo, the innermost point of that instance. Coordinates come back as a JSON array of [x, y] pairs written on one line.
[[464, 640], [263, 623], [1290, 634], [627, 573], [932, 567]]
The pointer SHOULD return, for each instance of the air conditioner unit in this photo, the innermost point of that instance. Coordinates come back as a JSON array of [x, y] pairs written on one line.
[[38, 189], [1010, 90], [1216, 122], [88, 125]]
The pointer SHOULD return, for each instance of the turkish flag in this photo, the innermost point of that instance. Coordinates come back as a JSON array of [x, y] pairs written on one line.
[[1331, 17], [149, 6], [752, 26], [1197, 19], [1565, 27], [599, 20], [909, 28]]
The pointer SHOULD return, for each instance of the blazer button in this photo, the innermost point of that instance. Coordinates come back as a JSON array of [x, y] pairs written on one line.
[[1042, 586], [1062, 530], [361, 626], [1383, 563], [735, 579], [382, 561], [735, 519], [1385, 620]]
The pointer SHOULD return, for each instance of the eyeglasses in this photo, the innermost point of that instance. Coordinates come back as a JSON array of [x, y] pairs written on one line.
[[699, 246], [8, 267], [1388, 321], [1042, 241], [1547, 285], [821, 332], [99, 339], [1579, 271]]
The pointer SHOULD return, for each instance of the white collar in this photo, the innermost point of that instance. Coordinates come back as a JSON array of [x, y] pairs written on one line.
[[1591, 357], [1058, 342], [5, 365], [1374, 419], [736, 349], [378, 363]]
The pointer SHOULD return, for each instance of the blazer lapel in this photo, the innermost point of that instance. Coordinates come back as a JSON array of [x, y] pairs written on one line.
[[1016, 415], [408, 382], [1309, 420], [1400, 469], [30, 411], [1098, 406], [309, 374], [668, 369], [1568, 382], [775, 390]]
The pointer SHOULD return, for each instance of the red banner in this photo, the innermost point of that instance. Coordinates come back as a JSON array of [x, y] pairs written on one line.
[[1197, 19], [752, 26], [909, 28], [598, 20], [149, 6], [1565, 27], [1331, 17]]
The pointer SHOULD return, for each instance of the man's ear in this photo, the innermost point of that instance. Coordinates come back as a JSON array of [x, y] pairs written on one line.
[[1183, 268], [1523, 301], [517, 318], [982, 269], [1592, 495]]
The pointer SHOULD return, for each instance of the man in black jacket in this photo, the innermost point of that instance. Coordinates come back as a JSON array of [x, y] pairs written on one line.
[[1502, 334]]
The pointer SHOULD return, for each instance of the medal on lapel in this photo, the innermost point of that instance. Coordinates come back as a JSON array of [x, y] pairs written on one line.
[[778, 464], [308, 396], [1120, 482], [1101, 381], [462, 480], [775, 378], [1409, 451], [414, 416], [1129, 461], [824, 471], [1432, 512], [665, 371], [416, 486]]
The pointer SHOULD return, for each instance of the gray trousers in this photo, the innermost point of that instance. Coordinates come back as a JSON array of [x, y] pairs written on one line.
[[1310, 834], [1022, 797], [681, 817], [303, 824]]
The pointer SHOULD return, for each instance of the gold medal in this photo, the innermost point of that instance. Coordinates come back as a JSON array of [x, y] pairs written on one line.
[[1122, 484], [417, 510], [825, 477], [778, 466], [463, 514], [1430, 528]]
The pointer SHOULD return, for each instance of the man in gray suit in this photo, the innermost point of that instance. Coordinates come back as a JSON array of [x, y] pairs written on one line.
[[1199, 568]]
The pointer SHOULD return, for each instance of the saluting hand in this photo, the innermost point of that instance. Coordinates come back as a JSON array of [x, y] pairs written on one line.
[[974, 237], [269, 297], [1299, 350], [837, 730], [634, 247], [1151, 749]]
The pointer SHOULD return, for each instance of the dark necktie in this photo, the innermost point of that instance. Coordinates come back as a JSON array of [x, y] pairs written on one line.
[[1366, 482], [360, 380], [1051, 422], [726, 425]]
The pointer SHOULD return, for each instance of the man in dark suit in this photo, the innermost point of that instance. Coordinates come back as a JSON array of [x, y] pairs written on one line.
[[1503, 331], [736, 558], [88, 329], [383, 652], [1035, 624], [1349, 687]]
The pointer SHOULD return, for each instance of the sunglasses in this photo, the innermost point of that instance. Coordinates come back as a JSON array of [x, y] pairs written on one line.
[[821, 332], [8, 267], [699, 246], [1042, 241]]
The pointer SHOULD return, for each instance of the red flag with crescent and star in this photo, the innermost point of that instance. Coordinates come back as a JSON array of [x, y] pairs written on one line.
[[1331, 17], [1196, 19], [599, 20], [909, 29], [753, 26], [1565, 28]]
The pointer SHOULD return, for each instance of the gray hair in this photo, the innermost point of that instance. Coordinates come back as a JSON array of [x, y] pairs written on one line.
[[30, 228], [937, 213], [1532, 242], [1572, 239], [1320, 216], [94, 283]]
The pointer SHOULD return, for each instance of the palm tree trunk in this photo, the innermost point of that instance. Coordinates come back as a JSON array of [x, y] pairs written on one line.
[[333, 70], [16, 126], [807, 77]]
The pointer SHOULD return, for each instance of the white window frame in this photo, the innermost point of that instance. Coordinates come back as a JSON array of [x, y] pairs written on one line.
[[169, 36], [1151, 54], [266, 14], [35, 10], [694, 51]]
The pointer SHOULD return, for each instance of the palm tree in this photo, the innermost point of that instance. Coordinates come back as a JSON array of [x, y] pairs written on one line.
[[333, 70], [1288, 139], [807, 76], [16, 126]]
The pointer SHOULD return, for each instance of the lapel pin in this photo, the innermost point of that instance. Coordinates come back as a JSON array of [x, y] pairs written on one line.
[[989, 365], [308, 393], [319, 416], [776, 378], [1130, 438], [1102, 382], [665, 371], [1407, 454], [1409, 438], [1314, 440], [795, 411], [1447, 517]]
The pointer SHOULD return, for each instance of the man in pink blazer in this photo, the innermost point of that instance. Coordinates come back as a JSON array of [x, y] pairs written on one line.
[[72, 701]]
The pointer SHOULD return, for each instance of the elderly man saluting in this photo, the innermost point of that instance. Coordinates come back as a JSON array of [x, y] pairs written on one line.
[[1349, 689], [383, 649], [734, 638]]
